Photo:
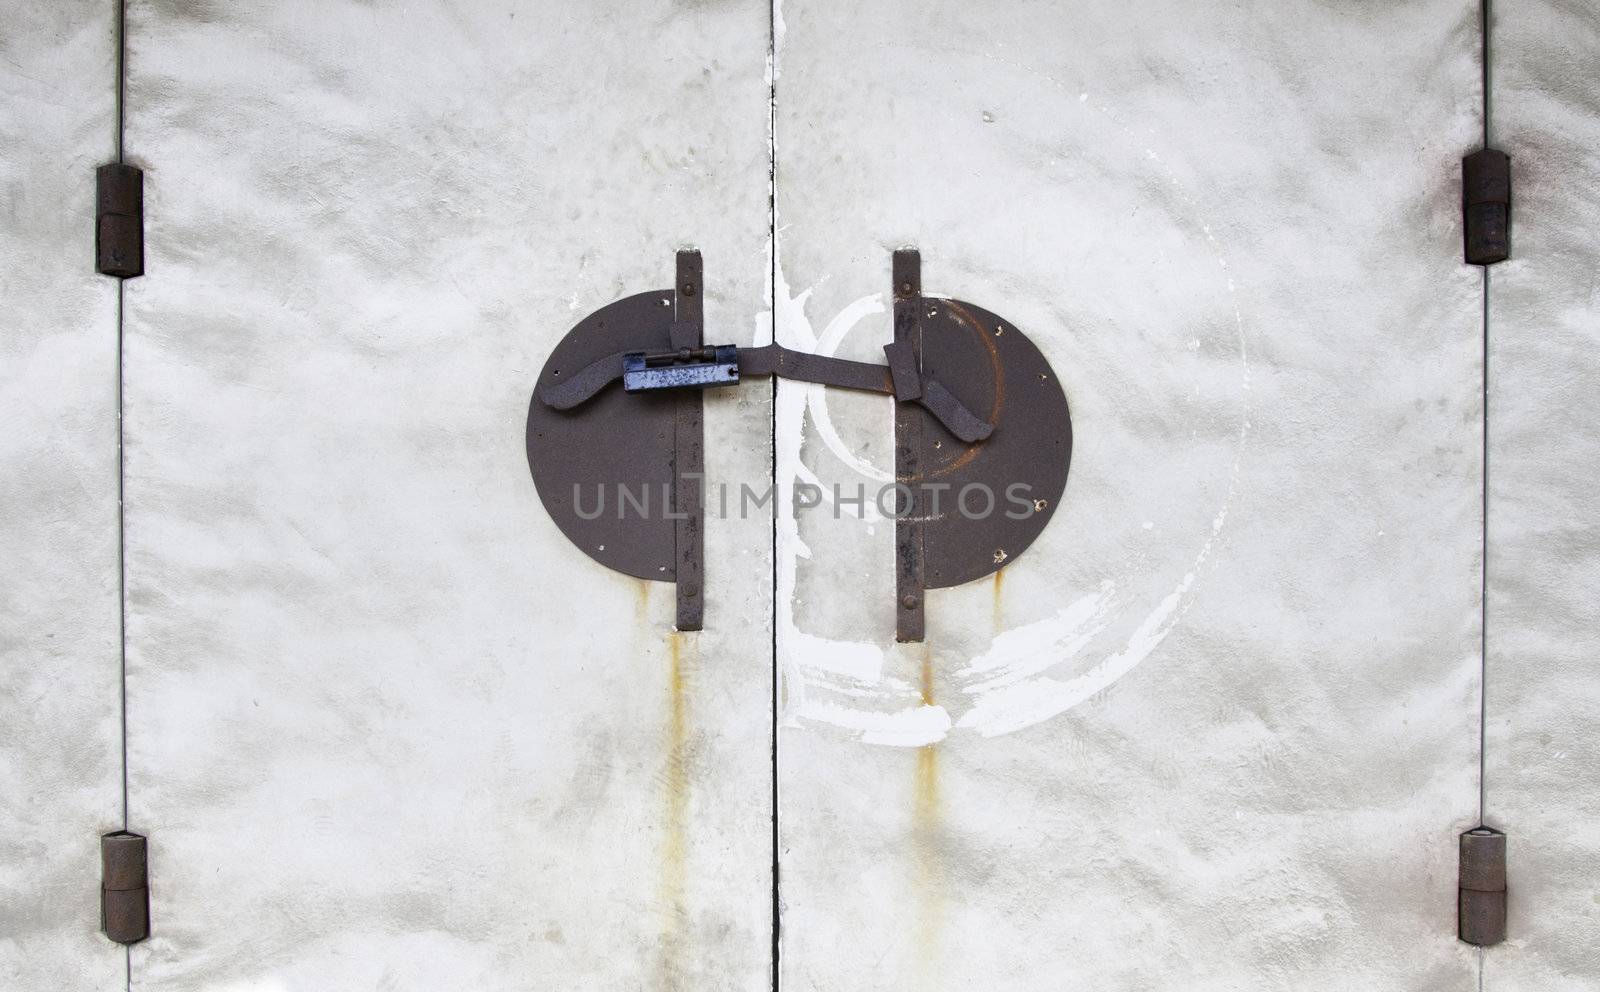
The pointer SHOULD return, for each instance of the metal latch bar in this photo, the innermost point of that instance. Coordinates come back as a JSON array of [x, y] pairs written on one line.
[[910, 586], [689, 457]]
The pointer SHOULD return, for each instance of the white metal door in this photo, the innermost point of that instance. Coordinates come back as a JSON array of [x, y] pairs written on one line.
[[60, 661], [1219, 727], [386, 729], [1542, 700]]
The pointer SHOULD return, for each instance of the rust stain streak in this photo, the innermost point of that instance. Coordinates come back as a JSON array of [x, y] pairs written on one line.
[[641, 605], [926, 831], [997, 611], [675, 787], [927, 676]]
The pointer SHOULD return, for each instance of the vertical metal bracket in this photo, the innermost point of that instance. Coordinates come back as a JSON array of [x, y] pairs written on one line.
[[1481, 907], [119, 221], [124, 887], [688, 474], [909, 584], [1486, 206]]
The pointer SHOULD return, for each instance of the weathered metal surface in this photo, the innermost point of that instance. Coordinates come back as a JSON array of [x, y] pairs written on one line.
[[582, 451], [725, 365], [387, 729], [910, 568], [1481, 910], [572, 390], [786, 363], [904, 376], [949, 414], [60, 739], [1542, 706], [1486, 206], [124, 887], [686, 368], [612, 442], [996, 495], [1217, 729], [689, 439], [119, 220]]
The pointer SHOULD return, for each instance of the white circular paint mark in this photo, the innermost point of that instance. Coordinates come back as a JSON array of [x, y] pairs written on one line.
[[1026, 674]]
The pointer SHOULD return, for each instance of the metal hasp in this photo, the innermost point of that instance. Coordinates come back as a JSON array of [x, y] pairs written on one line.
[[1482, 904], [679, 369], [975, 504], [905, 358], [621, 471], [1486, 206], [119, 221], [688, 446], [124, 887]]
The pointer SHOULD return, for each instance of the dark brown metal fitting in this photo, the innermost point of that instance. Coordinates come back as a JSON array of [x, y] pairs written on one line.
[[906, 350], [903, 372], [949, 366], [1486, 206], [124, 888], [119, 221], [689, 458], [1482, 905]]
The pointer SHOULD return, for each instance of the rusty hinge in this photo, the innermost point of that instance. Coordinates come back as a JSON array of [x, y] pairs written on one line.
[[124, 888], [119, 220], [1486, 205], [1482, 905]]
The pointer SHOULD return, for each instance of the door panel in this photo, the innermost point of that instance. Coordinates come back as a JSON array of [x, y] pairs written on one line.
[[387, 728], [60, 711], [1542, 735], [1219, 726]]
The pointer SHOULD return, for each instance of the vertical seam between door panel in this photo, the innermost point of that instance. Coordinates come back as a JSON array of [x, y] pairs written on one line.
[[122, 519], [1483, 591], [772, 311], [1485, 20], [122, 526]]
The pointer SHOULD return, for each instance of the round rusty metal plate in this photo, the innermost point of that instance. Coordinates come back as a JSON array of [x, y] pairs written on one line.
[[994, 370], [585, 460]]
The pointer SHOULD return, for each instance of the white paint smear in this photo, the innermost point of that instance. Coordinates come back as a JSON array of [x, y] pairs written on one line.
[[1026, 675]]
